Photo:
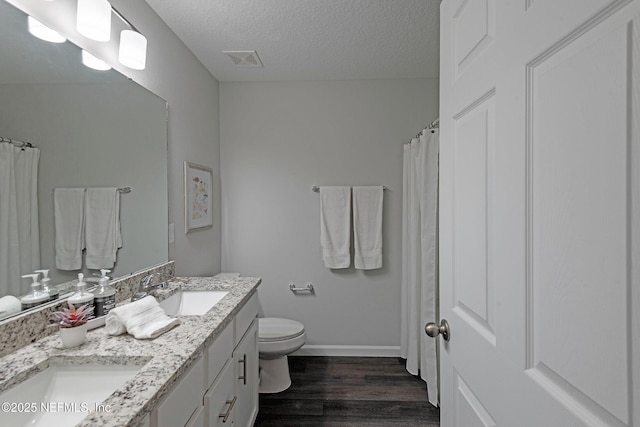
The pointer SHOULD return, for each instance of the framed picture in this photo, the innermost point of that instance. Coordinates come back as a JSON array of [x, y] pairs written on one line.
[[198, 186]]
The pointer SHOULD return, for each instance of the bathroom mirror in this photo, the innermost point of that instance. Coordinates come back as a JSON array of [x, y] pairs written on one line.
[[93, 129]]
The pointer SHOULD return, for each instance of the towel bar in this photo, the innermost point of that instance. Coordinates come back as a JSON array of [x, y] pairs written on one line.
[[308, 288], [316, 189]]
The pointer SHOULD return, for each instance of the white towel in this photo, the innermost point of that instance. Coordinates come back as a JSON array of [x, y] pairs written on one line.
[[144, 319], [367, 227], [102, 229], [68, 210], [335, 226]]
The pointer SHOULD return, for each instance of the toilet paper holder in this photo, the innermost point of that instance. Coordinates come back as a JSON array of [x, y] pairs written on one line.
[[296, 289]]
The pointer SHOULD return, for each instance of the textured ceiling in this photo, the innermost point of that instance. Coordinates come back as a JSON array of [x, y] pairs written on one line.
[[310, 39]]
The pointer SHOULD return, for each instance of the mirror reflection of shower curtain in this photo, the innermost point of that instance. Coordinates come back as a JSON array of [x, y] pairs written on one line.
[[19, 230], [420, 258]]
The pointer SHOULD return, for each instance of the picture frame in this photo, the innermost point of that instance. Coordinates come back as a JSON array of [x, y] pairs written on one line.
[[198, 189]]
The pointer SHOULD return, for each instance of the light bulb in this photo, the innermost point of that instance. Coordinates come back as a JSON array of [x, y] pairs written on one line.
[[43, 32], [92, 62], [94, 19], [133, 50]]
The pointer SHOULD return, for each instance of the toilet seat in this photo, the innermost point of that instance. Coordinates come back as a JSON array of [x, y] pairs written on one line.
[[273, 329]]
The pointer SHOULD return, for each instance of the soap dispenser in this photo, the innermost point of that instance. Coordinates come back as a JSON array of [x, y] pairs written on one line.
[[36, 297], [104, 296], [81, 296], [53, 292]]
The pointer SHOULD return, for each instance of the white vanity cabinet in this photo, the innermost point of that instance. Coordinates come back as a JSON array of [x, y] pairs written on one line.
[[240, 375], [221, 387]]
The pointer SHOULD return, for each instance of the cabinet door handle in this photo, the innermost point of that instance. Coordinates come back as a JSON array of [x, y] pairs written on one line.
[[243, 377], [225, 416]]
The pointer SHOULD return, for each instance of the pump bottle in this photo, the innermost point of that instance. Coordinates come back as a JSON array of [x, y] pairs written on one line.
[[53, 292], [104, 296], [81, 296], [35, 297]]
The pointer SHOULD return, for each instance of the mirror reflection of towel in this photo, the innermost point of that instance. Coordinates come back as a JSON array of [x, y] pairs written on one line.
[[68, 210], [102, 227]]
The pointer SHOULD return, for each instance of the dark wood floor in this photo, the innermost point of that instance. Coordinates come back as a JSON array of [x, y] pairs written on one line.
[[348, 391]]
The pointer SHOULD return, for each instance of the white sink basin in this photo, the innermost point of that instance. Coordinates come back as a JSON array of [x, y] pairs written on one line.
[[63, 395], [191, 303]]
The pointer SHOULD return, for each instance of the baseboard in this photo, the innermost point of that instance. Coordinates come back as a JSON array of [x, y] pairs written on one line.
[[348, 350]]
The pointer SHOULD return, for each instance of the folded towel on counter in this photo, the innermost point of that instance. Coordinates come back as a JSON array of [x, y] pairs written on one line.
[[102, 229], [144, 319], [367, 227], [335, 226], [68, 211]]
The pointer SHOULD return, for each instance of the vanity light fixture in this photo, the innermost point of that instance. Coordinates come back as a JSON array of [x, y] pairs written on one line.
[[43, 32], [133, 45], [94, 19], [92, 62]]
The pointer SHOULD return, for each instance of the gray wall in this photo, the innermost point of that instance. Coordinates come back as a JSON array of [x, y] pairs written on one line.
[[174, 74], [280, 139]]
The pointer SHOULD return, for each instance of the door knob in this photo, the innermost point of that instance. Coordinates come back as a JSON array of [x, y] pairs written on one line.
[[433, 330]]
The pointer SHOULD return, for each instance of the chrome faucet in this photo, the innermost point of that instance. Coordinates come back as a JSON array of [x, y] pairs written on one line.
[[146, 286]]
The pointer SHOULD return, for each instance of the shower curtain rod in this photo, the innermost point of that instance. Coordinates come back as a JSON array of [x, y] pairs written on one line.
[[22, 144], [123, 190], [432, 126]]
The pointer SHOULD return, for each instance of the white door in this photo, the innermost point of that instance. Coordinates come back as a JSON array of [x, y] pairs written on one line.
[[540, 212]]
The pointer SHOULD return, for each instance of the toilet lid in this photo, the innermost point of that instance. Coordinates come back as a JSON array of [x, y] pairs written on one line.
[[277, 329]]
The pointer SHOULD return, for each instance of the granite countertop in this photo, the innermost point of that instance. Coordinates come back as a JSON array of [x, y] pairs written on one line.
[[165, 358]]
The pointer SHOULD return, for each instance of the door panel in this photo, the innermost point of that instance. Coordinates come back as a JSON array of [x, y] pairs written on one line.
[[469, 410], [539, 212], [578, 228], [472, 144], [474, 30]]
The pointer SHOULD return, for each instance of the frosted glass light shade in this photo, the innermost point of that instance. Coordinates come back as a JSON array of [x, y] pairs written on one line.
[[92, 62], [133, 49], [94, 19], [43, 32]]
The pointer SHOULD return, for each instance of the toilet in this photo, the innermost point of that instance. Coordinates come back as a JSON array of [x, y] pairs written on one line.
[[277, 338]]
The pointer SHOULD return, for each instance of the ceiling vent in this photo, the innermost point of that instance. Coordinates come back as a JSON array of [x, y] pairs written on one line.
[[244, 58]]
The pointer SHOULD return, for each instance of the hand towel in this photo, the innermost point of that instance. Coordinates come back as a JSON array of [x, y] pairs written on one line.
[[335, 226], [367, 227], [144, 319], [68, 211], [102, 227]]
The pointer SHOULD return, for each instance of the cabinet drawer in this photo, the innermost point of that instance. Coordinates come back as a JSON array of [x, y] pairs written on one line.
[[183, 400], [220, 400], [245, 316], [219, 352]]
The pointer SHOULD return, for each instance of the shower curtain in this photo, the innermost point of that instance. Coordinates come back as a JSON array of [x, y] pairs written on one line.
[[19, 231], [420, 258]]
